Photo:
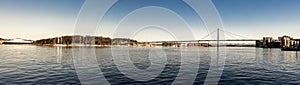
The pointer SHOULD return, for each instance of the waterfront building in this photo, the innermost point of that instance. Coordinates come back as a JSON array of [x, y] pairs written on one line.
[[124, 42], [166, 44], [269, 42], [286, 41], [148, 44], [103, 41], [75, 40], [289, 42], [198, 45], [282, 42], [171, 44], [258, 43]]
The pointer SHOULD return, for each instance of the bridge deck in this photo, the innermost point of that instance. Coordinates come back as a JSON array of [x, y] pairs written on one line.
[[208, 40]]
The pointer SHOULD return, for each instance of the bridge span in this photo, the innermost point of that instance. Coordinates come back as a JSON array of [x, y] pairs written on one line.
[[217, 41], [208, 40]]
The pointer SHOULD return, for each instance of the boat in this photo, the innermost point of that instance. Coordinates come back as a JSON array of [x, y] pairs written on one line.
[[17, 41]]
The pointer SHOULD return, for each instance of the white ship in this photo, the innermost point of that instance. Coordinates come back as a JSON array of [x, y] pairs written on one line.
[[17, 41]]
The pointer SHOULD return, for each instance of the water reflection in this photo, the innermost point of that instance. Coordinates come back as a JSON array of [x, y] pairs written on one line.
[[275, 59], [58, 54], [64, 56], [35, 65], [53, 65], [290, 56]]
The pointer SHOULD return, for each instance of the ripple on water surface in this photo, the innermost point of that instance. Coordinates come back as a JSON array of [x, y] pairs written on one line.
[[52, 65]]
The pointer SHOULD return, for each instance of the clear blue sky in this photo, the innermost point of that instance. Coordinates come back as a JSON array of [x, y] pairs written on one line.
[[36, 19], [257, 18]]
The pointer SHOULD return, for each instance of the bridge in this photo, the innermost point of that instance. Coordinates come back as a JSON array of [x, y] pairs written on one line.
[[217, 41], [209, 40]]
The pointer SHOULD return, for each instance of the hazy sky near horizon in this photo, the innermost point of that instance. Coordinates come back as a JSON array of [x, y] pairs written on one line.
[[36, 19]]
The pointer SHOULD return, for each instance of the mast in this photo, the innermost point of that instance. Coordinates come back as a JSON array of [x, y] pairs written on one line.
[[61, 41], [58, 40], [218, 37]]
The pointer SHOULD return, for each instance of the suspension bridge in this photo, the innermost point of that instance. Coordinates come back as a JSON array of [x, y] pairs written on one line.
[[216, 35]]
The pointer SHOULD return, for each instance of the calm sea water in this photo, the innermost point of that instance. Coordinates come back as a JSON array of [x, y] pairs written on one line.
[[54, 65]]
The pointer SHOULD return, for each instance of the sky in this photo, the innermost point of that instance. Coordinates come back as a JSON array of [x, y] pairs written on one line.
[[38, 19], [257, 18]]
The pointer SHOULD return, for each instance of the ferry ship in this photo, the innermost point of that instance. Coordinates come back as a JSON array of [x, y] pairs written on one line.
[[17, 41]]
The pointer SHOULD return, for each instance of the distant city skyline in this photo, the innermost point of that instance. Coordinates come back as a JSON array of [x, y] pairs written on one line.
[[38, 19]]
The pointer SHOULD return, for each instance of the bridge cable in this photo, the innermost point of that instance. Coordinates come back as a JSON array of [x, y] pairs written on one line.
[[234, 34], [230, 36], [209, 34]]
